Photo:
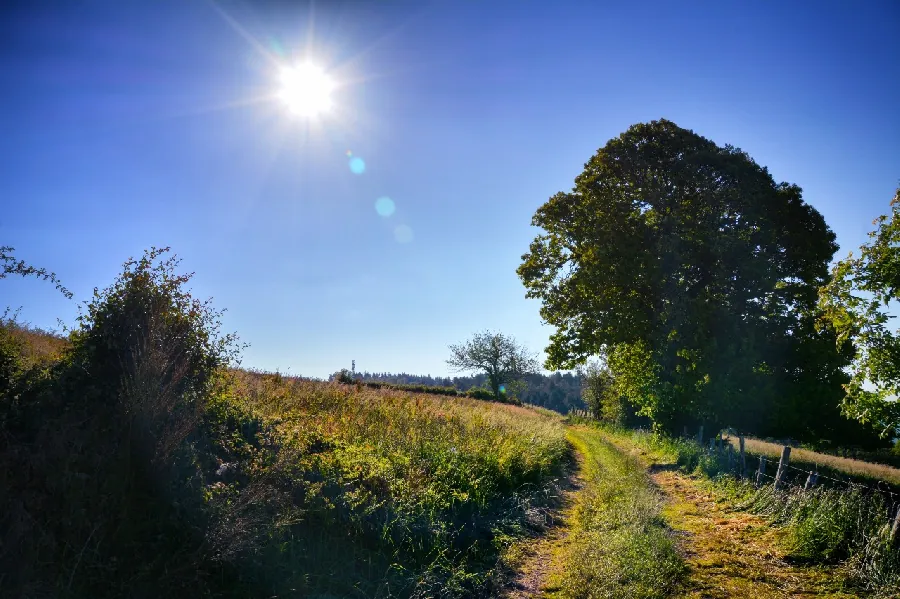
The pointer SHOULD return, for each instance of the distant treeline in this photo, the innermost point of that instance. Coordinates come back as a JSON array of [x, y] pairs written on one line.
[[557, 391]]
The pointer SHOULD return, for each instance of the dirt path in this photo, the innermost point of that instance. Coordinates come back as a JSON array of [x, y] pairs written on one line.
[[728, 554], [538, 558], [734, 554]]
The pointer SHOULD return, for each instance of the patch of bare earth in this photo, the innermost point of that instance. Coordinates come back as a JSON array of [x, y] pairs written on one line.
[[537, 558], [733, 554]]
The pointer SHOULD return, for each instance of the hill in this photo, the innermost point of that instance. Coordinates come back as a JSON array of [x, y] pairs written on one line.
[[557, 391]]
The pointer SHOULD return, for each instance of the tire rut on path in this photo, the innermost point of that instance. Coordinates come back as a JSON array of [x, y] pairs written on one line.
[[539, 556]]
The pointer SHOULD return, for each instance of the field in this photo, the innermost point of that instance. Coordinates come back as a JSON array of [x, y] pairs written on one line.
[[812, 459], [280, 486], [433, 487]]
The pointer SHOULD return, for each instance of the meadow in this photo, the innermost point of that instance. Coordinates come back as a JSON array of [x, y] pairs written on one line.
[[860, 469], [137, 460]]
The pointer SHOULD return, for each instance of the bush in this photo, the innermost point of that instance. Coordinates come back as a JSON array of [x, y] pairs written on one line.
[[480, 393], [154, 350], [10, 359], [88, 455]]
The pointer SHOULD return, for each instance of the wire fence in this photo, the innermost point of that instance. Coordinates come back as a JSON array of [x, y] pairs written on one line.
[[789, 478], [783, 476]]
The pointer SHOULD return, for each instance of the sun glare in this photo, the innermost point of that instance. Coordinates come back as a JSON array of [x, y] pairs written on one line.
[[306, 89]]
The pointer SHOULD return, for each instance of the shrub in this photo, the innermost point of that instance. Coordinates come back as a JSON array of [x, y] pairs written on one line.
[[10, 359], [480, 393], [87, 457], [152, 349]]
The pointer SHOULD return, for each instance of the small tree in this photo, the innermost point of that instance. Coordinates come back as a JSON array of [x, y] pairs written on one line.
[[600, 394], [854, 303], [504, 361]]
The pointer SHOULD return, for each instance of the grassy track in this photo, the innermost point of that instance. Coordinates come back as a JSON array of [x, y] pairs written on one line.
[[729, 553], [619, 545]]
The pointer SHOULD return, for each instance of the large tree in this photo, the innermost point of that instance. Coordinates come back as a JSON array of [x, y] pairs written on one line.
[[855, 304], [687, 266], [504, 361]]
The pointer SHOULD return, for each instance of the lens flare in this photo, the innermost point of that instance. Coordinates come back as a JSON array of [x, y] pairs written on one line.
[[306, 89], [403, 234], [357, 165], [384, 206]]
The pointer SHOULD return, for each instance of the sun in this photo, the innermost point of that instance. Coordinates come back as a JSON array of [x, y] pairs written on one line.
[[306, 89]]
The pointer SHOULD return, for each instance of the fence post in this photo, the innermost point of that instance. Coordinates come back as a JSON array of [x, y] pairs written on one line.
[[782, 465], [761, 471], [700, 436], [811, 480], [730, 452], [743, 457]]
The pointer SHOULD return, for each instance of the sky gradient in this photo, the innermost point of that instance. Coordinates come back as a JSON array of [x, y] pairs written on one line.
[[127, 125]]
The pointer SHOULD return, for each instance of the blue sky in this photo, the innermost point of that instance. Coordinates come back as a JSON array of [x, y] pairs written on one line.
[[127, 125]]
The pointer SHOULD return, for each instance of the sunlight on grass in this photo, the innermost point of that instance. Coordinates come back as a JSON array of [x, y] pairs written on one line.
[[430, 489], [619, 544]]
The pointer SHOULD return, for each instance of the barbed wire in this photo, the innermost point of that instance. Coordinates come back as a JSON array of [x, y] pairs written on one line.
[[807, 471]]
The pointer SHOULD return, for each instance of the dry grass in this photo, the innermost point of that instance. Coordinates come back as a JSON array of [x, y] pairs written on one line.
[[38, 347], [848, 466], [734, 554]]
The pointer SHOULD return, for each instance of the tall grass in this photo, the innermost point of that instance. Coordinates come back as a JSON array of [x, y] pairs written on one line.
[[619, 546]]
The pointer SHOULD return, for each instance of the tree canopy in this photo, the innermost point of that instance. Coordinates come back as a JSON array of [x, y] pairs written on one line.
[[689, 270], [855, 305], [503, 360]]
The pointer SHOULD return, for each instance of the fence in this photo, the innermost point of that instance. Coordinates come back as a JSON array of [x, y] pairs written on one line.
[[735, 462]]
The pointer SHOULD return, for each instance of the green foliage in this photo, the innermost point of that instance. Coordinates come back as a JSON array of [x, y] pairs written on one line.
[[148, 343], [480, 393], [499, 356], [619, 546], [93, 435], [11, 366], [601, 395], [690, 268], [855, 305]]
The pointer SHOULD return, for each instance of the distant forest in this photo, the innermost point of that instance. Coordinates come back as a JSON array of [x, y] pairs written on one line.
[[557, 391]]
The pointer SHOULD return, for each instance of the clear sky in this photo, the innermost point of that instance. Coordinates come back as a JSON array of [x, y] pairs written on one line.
[[127, 124]]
